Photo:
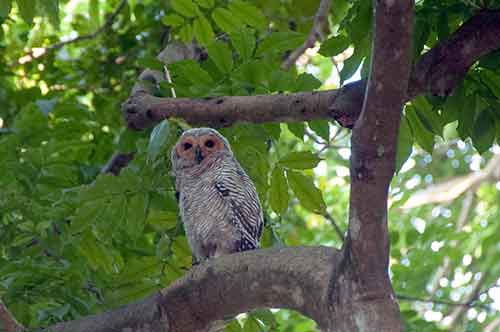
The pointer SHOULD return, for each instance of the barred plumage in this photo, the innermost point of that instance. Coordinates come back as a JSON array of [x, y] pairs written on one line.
[[218, 202]]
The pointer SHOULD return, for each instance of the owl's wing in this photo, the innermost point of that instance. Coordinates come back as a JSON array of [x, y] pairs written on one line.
[[240, 197]]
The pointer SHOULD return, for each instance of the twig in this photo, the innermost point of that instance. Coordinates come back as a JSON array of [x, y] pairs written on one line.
[[332, 221], [9, 321], [30, 56], [469, 304], [117, 162], [314, 34]]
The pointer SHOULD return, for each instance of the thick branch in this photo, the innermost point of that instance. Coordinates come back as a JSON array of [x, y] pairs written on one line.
[[374, 141], [295, 278], [316, 32], [144, 110], [375, 136], [436, 72], [8, 321], [445, 65]]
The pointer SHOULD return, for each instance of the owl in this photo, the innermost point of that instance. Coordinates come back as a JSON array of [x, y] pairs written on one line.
[[218, 203]]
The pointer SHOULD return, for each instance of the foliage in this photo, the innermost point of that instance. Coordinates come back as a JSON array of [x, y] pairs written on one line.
[[74, 241]]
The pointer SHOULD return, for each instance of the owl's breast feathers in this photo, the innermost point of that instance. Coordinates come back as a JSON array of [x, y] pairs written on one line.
[[222, 202]]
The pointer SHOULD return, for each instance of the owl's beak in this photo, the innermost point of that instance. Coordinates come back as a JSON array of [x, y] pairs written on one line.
[[197, 154]]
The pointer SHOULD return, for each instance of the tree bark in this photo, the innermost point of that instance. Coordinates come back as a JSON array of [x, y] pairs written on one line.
[[372, 305], [294, 278]]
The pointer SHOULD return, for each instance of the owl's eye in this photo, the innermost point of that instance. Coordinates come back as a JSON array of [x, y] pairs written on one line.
[[187, 146], [209, 143]]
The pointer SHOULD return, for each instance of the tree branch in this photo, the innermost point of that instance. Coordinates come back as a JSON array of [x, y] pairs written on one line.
[[31, 55], [117, 162], [375, 136], [315, 34], [445, 64], [451, 189], [8, 321], [295, 278]]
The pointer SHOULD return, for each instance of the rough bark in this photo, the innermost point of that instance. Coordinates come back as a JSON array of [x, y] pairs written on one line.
[[437, 72], [372, 305], [295, 278]]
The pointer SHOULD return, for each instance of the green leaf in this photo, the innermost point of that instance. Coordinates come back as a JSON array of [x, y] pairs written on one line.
[[300, 160], [252, 325], [5, 7], [136, 215], [422, 135], [86, 215], [190, 71], [405, 143], [205, 3], [163, 247], [243, 41], [351, 65], [321, 128], [233, 326], [150, 62], [94, 16], [52, 11], [307, 82], [158, 140], [172, 20], [225, 20], [281, 81], [484, 131], [185, 7], [96, 254], [428, 116], [334, 46], [466, 116], [221, 55], [203, 31], [278, 42], [492, 80], [27, 9], [278, 192], [186, 33], [297, 128], [248, 13], [309, 196]]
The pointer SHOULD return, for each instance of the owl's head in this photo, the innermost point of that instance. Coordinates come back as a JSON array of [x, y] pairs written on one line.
[[198, 146]]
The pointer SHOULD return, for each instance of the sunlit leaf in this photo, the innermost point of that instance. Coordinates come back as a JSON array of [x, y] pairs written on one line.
[[278, 192], [203, 30], [300, 160], [220, 53], [309, 196], [184, 7], [157, 140], [405, 143]]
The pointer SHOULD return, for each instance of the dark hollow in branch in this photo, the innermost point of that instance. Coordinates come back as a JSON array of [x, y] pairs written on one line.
[[437, 72]]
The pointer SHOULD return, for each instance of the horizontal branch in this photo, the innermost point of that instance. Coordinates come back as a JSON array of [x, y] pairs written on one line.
[[451, 189], [437, 72], [295, 278]]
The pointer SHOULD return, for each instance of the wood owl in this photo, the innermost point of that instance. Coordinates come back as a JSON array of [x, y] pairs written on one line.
[[218, 203]]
